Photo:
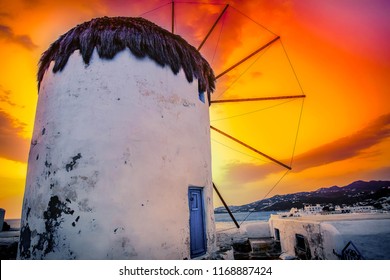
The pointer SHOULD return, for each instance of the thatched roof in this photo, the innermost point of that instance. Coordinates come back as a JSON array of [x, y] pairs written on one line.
[[112, 35]]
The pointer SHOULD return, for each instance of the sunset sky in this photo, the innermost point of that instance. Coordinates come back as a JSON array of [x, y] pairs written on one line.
[[340, 54]]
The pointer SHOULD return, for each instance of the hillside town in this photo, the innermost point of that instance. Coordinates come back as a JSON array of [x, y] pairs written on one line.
[[373, 195]]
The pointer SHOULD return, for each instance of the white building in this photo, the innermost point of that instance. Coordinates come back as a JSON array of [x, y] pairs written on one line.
[[120, 161], [312, 209], [337, 236]]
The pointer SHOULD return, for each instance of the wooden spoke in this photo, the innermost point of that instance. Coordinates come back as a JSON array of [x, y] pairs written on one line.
[[247, 57], [250, 148], [258, 98], [226, 207], [212, 28], [173, 17]]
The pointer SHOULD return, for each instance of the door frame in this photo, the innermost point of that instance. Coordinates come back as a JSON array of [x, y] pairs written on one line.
[[203, 212]]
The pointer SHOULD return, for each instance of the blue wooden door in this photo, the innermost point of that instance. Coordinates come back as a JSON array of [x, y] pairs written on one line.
[[197, 225]]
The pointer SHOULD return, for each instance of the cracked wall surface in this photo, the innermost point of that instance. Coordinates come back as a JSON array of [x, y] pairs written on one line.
[[115, 147]]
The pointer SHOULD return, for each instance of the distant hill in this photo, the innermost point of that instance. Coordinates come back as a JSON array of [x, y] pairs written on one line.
[[357, 193]]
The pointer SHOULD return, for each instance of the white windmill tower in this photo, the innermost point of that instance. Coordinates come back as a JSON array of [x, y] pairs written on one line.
[[120, 161], [120, 157]]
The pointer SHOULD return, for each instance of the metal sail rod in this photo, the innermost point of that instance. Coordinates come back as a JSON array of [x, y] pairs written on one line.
[[249, 56], [249, 147], [258, 98], [212, 28], [226, 207], [173, 17]]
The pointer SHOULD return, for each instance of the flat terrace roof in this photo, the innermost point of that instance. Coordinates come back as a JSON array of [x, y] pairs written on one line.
[[336, 217]]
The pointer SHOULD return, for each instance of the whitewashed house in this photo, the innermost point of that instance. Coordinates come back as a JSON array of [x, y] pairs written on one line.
[[120, 161], [312, 209], [332, 237]]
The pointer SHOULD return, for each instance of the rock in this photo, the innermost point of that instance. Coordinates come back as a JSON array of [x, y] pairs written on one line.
[[6, 227]]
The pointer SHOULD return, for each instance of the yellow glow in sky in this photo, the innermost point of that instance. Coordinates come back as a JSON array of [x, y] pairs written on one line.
[[339, 51]]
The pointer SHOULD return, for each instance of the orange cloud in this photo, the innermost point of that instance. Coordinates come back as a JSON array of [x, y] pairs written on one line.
[[12, 145], [346, 147], [5, 97], [6, 33], [341, 149]]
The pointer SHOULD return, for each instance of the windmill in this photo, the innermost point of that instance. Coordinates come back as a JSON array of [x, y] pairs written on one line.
[[228, 74], [159, 138]]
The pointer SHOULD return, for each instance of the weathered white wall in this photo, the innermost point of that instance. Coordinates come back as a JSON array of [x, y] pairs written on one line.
[[332, 240], [116, 145], [370, 236], [369, 233], [288, 228], [255, 230]]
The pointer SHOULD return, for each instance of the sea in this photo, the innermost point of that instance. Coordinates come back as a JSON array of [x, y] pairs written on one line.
[[13, 223], [224, 222], [245, 216]]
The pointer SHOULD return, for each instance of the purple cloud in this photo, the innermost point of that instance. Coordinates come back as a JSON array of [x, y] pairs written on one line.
[[338, 150], [12, 145], [346, 147], [6, 33]]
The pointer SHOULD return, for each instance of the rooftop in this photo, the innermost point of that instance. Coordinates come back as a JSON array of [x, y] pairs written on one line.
[[336, 217], [110, 35]]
